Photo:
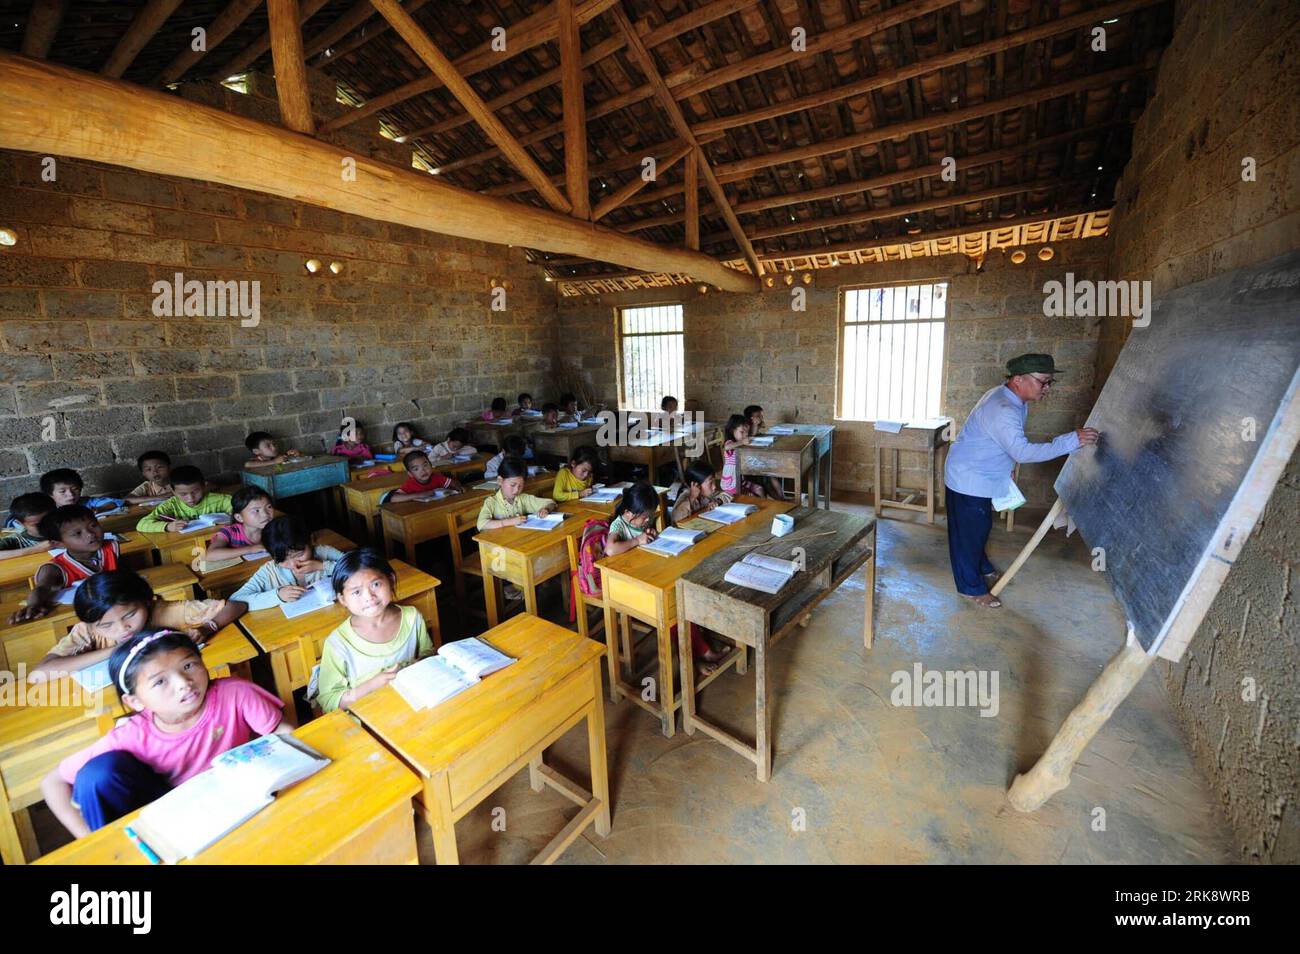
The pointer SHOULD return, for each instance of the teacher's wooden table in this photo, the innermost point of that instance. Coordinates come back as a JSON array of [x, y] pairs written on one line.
[[561, 441], [925, 437], [834, 545], [354, 811], [823, 456], [469, 746], [788, 456]]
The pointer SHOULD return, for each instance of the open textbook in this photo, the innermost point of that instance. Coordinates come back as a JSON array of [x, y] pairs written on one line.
[[602, 494], [319, 595], [760, 572], [674, 541], [764, 440], [729, 513], [549, 522], [241, 782], [206, 520], [456, 667]]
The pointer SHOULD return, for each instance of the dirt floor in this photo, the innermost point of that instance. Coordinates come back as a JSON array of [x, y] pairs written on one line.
[[857, 779]]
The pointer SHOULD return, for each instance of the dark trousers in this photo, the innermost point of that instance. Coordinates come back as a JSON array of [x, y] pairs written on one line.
[[114, 784], [969, 521]]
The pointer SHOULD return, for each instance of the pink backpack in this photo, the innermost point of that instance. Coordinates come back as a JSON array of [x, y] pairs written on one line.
[[590, 549]]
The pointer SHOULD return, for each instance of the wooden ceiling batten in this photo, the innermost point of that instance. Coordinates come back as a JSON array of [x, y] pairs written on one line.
[[146, 23], [226, 22], [42, 25]]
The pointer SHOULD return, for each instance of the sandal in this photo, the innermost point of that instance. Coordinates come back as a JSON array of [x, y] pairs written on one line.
[[987, 600]]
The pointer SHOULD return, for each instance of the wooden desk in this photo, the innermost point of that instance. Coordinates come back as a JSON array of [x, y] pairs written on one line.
[[757, 619], [489, 434], [362, 497], [789, 456], [527, 558], [468, 747], [219, 584], [356, 810], [27, 643], [179, 547], [562, 441], [61, 720], [301, 476], [762, 517], [119, 522], [662, 447], [294, 645], [925, 437], [16, 573], [823, 456], [413, 522]]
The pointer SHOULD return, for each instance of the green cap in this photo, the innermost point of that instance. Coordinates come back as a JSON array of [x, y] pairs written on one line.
[[1032, 364]]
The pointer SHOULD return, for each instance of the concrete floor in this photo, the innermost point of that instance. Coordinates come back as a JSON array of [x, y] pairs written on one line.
[[879, 783], [873, 782]]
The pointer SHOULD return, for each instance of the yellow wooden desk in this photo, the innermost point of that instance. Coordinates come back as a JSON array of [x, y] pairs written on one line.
[[59, 720], [527, 558], [294, 645], [29, 642], [179, 547], [118, 522], [356, 810], [16, 573], [362, 496], [219, 584], [468, 747], [413, 522], [767, 509]]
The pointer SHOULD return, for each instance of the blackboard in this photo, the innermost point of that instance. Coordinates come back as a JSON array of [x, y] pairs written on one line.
[[1198, 418]]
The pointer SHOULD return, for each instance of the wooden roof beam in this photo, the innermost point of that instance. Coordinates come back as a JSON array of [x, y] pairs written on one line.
[[53, 110], [226, 23], [619, 197], [42, 25], [576, 185], [249, 54], [373, 30], [142, 29], [424, 47], [290, 66]]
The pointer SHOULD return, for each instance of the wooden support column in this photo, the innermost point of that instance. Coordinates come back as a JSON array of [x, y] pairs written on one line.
[[693, 200], [226, 22], [424, 47], [577, 184], [53, 110], [290, 66], [669, 103], [146, 23], [249, 54], [42, 24]]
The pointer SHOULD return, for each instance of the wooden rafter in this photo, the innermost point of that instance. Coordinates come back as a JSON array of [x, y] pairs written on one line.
[[142, 29], [683, 129], [575, 119], [53, 110], [692, 189], [245, 57], [42, 25], [351, 19], [541, 27], [226, 22], [424, 47], [621, 195], [660, 151], [372, 31], [290, 66]]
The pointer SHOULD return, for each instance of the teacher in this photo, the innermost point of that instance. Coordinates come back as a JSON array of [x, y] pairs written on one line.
[[982, 461]]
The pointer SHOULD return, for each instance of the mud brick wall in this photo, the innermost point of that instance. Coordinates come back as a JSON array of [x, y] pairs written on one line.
[[89, 377], [1226, 91], [743, 349]]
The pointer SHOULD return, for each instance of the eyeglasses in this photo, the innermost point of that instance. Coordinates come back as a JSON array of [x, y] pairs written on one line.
[[1044, 384]]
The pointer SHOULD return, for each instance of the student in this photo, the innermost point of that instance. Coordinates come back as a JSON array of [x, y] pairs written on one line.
[[512, 446], [63, 485], [191, 499], [632, 517], [422, 479], [498, 410], [574, 482], [550, 415], [457, 443], [525, 404], [252, 509], [295, 565], [27, 511], [368, 648], [736, 434], [699, 493], [569, 407], [85, 552], [182, 721], [115, 606], [754, 414], [510, 506], [406, 439], [265, 451], [351, 442], [668, 407], [156, 469]]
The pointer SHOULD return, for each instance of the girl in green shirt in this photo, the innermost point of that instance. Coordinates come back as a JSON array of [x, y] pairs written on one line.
[[510, 506]]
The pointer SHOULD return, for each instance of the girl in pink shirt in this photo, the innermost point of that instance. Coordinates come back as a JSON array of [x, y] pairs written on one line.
[[183, 720], [351, 442]]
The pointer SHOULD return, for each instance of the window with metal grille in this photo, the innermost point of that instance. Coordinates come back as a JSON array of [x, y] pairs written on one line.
[[891, 352], [651, 356]]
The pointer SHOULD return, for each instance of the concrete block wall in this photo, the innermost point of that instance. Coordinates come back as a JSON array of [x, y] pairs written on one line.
[[743, 349], [1227, 91], [90, 377]]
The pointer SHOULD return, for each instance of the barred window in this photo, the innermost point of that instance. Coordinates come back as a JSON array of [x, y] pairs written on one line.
[[651, 356], [891, 352]]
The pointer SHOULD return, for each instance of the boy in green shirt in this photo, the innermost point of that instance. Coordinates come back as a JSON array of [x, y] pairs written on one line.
[[191, 500]]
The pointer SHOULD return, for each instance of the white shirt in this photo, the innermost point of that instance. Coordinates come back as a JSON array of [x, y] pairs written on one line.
[[993, 441]]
